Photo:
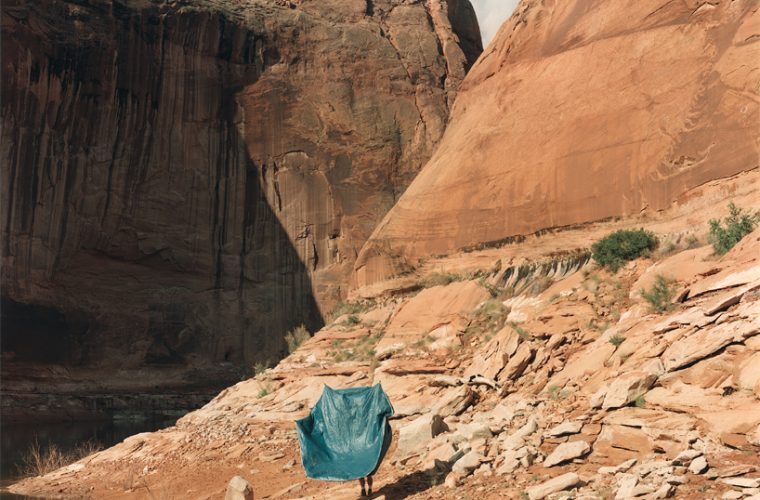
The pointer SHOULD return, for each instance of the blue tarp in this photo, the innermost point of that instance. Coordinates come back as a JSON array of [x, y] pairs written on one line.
[[346, 434]]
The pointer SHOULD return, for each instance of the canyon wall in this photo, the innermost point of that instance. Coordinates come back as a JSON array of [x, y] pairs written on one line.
[[184, 182], [580, 111]]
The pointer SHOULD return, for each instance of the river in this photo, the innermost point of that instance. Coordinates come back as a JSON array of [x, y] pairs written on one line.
[[16, 439]]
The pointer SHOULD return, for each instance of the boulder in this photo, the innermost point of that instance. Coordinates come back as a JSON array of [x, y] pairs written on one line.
[[698, 465], [518, 363], [468, 463], [455, 402], [702, 343], [567, 451], [475, 430], [627, 388], [491, 359], [614, 469], [742, 482], [566, 429], [238, 489], [626, 486], [686, 456], [559, 483], [414, 436]]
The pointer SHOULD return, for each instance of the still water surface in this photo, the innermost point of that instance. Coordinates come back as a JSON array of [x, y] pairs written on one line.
[[16, 439]]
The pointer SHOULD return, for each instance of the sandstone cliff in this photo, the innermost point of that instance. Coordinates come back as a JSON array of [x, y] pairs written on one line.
[[183, 182], [581, 111]]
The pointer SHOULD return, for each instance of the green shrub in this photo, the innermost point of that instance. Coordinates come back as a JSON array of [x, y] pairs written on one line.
[[488, 317], [260, 367], [622, 246], [296, 337], [440, 279], [353, 320], [660, 296], [617, 339], [352, 308], [265, 389], [522, 332], [739, 223]]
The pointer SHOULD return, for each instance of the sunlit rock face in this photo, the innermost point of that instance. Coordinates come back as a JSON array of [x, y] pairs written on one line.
[[580, 111], [184, 182]]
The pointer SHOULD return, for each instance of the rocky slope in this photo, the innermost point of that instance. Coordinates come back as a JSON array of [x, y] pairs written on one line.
[[581, 111], [184, 182], [575, 384]]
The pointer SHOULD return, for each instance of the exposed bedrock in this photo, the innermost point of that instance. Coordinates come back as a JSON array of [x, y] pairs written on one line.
[[184, 182], [580, 111]]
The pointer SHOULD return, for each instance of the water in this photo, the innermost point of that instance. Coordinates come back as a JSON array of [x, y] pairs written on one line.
[[16, 439]]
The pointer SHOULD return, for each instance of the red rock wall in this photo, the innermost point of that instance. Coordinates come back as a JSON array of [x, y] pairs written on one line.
[[189, 182], [579, 111]]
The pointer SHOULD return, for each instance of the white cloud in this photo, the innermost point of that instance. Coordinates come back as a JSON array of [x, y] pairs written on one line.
[[491, 15]]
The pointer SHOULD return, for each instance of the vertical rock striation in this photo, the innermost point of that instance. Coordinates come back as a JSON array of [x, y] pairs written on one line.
[[183, 182], [583, 110]]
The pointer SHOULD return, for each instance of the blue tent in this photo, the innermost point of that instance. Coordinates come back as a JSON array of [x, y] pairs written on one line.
[[346, 434]]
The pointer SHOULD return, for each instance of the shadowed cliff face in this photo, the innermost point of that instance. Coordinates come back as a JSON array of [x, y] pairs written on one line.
[[184, 184]]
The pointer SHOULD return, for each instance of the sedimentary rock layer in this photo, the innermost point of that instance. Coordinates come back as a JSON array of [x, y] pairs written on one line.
[[580, 111], [184, 182]]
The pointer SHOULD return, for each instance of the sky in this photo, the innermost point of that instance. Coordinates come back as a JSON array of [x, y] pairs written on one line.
[[491, 14]]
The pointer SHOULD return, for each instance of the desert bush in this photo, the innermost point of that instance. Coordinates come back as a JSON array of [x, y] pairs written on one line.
[[660, 295], [616, 340], [439, 279], [349, 307], [726, 234], [489, 317], [39, 460], [265, 389], [261, 366], [522, 332], [622, 246], [353, 320], [296, 337]]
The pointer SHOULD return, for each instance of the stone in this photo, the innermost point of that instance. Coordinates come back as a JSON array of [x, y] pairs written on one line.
[[597, 399], [566, 429], [559, 483], [698, 465], [455, 402], [627, 388], [686, 456], [452, 480], [414, 436], [518, 363], [664, 491], [517, 439], [468, 463], [732, 495], [567, 451], [623, 467], [625, 487], [443, 452], [238, 489], [741, 482], [475, 430], [702, 343], [491, 359]]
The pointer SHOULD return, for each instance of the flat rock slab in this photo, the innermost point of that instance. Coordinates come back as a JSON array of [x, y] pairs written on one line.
[[567, 451], [566, 429], [559, 483]]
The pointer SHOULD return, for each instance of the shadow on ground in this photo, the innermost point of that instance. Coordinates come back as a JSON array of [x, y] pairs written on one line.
[[409, 485]]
